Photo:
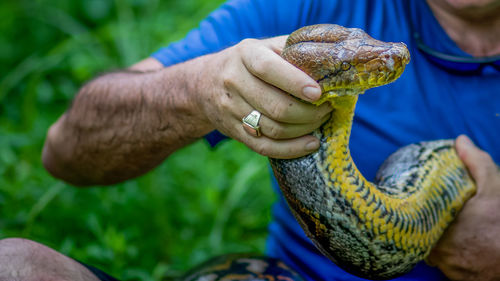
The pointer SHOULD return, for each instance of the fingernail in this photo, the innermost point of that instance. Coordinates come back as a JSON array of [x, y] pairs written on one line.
[[466, 141], [312, 145], [312, 93]]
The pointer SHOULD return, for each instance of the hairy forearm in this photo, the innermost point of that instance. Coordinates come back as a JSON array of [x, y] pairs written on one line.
[[123, 124]]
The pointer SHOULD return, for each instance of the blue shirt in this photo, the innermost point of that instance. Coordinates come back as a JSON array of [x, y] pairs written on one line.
[[426, 103]]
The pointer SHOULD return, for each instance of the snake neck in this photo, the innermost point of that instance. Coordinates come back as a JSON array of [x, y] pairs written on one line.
[[337, 130], [389, 212]]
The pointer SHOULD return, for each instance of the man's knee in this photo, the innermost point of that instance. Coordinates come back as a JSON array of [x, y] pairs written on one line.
[[17, 247], [26, 260], [16, 256]]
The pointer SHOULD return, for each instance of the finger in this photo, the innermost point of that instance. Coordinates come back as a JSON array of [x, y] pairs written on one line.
[[279, 130], [283, 149], [275, 103], [478, 162], [263, 62], [237, 108]]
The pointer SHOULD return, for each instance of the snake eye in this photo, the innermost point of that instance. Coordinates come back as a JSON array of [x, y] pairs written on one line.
[[345, 66]]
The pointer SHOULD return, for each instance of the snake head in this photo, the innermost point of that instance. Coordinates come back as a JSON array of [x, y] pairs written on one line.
[[345, 61]]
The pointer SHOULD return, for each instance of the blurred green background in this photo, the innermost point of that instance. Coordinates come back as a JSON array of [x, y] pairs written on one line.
[[199, 203]]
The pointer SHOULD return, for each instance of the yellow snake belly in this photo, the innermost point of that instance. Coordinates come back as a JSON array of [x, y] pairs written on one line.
[[374, 230]]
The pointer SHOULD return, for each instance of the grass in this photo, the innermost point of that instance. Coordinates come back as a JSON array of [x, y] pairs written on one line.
[[153, 227]]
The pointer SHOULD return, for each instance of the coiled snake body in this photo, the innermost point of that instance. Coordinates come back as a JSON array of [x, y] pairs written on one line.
[[374, 230]]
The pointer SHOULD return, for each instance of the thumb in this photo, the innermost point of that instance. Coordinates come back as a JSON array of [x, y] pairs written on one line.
[[478, 162]]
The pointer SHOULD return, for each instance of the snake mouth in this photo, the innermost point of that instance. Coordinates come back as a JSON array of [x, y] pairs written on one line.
[[386, 66], [368, 67]]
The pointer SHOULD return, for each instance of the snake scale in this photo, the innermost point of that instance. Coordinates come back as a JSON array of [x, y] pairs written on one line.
[[374, 230]]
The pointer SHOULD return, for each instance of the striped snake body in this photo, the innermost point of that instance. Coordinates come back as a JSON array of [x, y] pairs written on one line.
[[374, 230]]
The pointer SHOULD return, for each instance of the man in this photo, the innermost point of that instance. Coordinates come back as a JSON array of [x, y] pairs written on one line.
[[123, 124]]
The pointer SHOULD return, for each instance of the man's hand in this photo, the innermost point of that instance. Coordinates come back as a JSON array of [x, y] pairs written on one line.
[[470, 247], [252, 75]]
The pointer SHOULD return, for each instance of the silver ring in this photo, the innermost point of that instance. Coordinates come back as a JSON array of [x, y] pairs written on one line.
[[251, 123]]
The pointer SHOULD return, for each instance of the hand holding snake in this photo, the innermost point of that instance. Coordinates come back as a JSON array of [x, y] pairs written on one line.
[[470, 247], [252, 76]]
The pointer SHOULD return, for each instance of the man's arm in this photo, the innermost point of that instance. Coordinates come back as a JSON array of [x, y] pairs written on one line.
[[470, 247], [123, 124], [120, 125]]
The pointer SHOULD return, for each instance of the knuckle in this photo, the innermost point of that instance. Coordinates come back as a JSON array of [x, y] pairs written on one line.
[[226, 103], [263, 148], [255, 58], [278, 111], [261, 65], [248, 42], [228, 79], [276, 132], [245, 45]]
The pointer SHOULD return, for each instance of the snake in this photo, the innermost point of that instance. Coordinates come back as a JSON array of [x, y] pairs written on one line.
[[381, 229], [377, 230]]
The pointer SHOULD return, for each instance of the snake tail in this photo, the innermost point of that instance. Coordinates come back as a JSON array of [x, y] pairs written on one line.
[[377, 230]]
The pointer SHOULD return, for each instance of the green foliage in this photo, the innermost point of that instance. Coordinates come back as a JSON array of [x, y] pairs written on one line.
[[199, 203]]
